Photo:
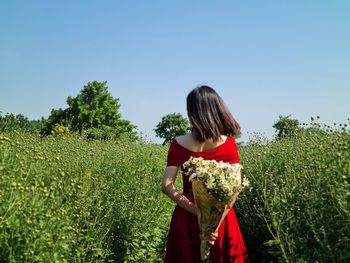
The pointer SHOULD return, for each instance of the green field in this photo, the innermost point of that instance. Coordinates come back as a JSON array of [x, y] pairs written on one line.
[[73, 200]]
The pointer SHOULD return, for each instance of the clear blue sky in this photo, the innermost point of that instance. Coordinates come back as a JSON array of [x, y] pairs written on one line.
[[264, 58]]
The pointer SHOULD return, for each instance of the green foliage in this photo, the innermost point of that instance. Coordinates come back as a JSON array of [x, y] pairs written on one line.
[[108, 133], [286, 126], [93, 108], [299, 206], [60, 130], [172, 125], [67, 199], [73, 200], [11, 122]]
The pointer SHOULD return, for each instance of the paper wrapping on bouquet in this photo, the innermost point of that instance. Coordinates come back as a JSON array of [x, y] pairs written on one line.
[[210, 213]]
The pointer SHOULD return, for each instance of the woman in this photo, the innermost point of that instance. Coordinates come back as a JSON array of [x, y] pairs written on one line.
[[213, 128]]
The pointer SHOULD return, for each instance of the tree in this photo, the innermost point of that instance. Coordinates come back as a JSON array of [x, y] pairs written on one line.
[[286, 126], [172, 125], [12, 122], [93, 107]]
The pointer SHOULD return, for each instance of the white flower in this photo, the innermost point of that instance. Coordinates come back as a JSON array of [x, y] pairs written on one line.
[[221, 179]]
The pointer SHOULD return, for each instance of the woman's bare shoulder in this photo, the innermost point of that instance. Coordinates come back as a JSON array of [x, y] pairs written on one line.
[[187, 141], [183, 139]]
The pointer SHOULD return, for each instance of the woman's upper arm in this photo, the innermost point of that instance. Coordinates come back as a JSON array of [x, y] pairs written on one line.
[[169, 175]]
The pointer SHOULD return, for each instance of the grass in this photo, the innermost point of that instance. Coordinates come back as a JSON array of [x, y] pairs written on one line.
[[73, 200]]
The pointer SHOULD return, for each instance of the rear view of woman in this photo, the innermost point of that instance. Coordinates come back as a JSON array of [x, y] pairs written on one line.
[[212, 137]]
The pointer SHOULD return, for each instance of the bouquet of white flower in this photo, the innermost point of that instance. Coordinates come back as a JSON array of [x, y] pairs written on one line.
[[215, 186]]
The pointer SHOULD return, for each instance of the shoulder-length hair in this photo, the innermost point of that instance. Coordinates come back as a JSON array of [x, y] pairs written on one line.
[[209, 116]]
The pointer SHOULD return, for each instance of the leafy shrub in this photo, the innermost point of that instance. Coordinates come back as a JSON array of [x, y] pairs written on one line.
[[70, 200], [299, 207], [60, 130], [108, 133], [10, 122], [74, 200]]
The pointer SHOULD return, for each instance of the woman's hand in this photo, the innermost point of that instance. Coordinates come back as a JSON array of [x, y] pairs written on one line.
[[193, 209], [213, 237]]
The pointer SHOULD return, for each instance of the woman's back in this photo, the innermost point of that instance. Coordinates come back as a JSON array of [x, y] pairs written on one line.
[[209, 119], [183, 240], [190, 143]]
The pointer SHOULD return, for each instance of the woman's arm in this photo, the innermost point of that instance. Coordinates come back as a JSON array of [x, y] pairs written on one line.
[[169, 189], [214, 234]]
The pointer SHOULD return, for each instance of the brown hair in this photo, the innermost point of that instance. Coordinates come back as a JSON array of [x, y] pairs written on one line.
[[209, 116]]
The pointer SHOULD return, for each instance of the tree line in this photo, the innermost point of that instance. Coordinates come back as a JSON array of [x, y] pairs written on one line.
[[94, 113]]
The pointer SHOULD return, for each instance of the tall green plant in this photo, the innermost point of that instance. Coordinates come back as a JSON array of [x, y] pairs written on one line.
[[10, 122], [93, 108], [66, 199], [285, 126], [299, 208], [171, 125]]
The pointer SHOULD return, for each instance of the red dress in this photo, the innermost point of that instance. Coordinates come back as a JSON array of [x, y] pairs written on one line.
[[183, 242]]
